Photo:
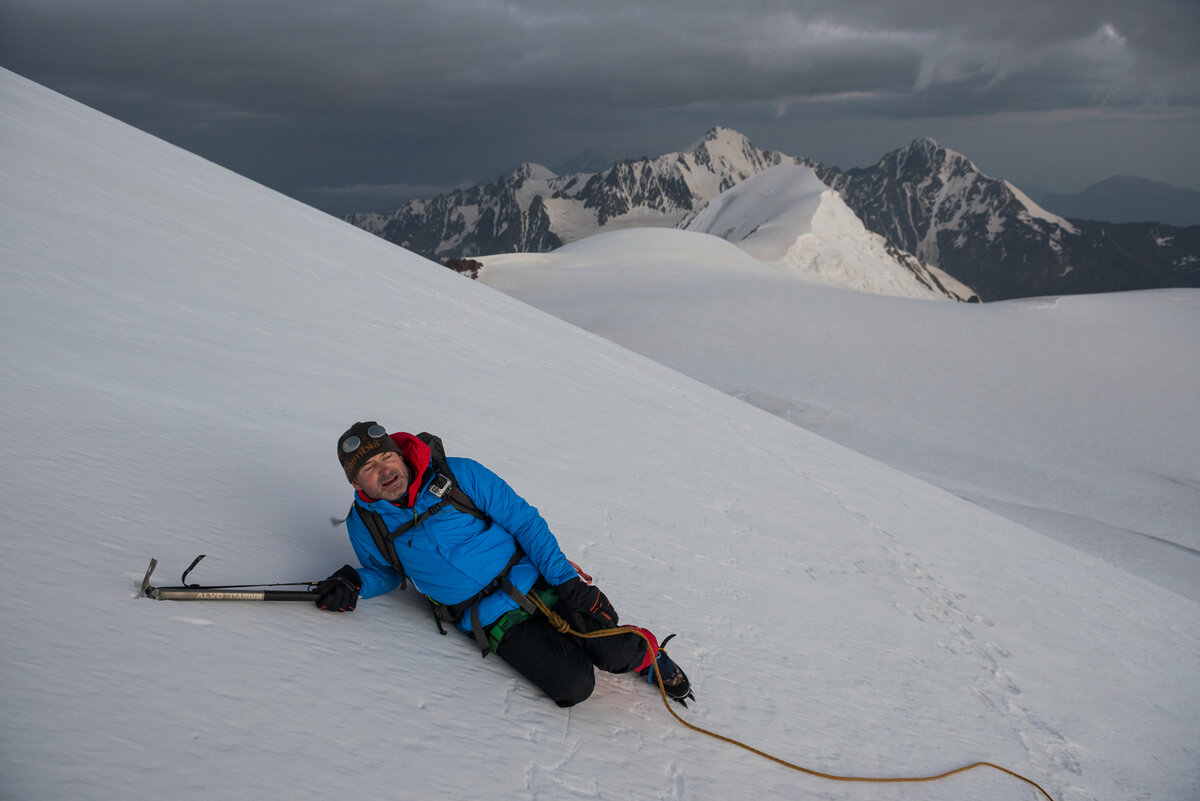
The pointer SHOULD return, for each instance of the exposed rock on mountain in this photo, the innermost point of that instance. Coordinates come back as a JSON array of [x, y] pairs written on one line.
[[533, 209], [932, 206], [935, 204]]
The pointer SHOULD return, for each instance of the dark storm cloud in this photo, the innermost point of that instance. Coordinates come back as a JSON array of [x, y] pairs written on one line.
[[376, 92]]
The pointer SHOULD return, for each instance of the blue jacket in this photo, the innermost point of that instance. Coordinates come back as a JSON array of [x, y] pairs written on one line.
[[453, 555]]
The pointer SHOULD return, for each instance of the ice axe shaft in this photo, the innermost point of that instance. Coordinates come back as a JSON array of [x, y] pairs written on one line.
[[187, 594], [198, 593]]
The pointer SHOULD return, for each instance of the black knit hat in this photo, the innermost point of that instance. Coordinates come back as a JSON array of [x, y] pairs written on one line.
[[360, 442]]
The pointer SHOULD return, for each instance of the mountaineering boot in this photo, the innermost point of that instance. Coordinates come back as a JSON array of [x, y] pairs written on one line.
[[674, 680]]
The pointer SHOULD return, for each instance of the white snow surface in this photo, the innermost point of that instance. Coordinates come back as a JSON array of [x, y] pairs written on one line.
[[182, 348], [1073, 415], [785, 216]]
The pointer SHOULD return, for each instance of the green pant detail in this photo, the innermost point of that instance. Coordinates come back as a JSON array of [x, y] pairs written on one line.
[[515, 617]]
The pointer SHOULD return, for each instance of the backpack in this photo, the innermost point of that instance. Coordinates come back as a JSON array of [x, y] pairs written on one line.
[[445, 487]]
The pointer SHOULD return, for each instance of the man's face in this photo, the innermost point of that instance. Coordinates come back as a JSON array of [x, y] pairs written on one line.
[[383, 477]]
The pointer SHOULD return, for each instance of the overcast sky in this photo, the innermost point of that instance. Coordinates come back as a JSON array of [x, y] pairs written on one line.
[[360, 104]]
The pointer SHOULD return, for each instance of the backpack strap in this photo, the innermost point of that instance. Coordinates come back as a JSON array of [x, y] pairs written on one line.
[[449, 613], [452, 613], [383, 538]]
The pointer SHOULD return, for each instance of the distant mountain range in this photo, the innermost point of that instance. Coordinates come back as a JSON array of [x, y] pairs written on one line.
[[534, 209], [1122, 199], [931, 205]]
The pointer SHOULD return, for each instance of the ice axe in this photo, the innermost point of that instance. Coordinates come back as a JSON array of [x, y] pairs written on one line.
[[229, 592]]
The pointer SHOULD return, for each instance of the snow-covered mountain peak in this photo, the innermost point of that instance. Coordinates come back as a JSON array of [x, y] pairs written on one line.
[[719, 160], [937, 205], [931, 204], [532, 171], [926, 156], [720, 139], [533, 209], [787, 216]]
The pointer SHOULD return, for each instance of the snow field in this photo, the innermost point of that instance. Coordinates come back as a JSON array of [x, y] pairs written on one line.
[[185, 347]]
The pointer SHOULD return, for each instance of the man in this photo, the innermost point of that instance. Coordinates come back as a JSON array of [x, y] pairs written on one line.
[[475, 558]]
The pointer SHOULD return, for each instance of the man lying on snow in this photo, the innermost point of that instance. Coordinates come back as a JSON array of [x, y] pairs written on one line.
[[475, 561]]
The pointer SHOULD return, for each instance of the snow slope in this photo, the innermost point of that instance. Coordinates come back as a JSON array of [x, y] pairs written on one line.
[[184, 346], [785, 216], [1076, 416]]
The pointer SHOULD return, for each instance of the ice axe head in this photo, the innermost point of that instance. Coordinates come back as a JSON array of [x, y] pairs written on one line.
[[146, 588]]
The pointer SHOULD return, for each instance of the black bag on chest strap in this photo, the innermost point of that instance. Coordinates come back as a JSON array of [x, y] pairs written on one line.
[[444, 485]]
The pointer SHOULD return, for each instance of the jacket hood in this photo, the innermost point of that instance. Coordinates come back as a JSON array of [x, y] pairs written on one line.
[[418, 457]]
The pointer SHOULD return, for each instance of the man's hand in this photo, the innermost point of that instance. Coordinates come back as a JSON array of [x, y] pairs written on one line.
[[339, 592], [588, 601]]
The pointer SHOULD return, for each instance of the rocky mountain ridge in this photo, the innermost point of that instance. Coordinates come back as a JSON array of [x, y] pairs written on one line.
[[931, 204], [987, 233], [533, 209]]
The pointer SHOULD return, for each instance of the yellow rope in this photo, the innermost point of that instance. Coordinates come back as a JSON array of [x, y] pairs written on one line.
[[564, 627]]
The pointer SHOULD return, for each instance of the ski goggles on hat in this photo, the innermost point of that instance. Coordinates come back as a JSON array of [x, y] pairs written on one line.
[[361, 442], [354, 442]]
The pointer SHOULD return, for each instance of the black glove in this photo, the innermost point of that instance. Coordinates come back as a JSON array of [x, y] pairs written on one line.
[[585, 601], [339, 592]]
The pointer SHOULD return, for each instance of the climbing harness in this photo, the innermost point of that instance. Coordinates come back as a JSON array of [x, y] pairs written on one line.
[[562, 626]]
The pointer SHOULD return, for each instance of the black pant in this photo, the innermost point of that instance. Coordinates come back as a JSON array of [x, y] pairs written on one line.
[[563, 665]]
